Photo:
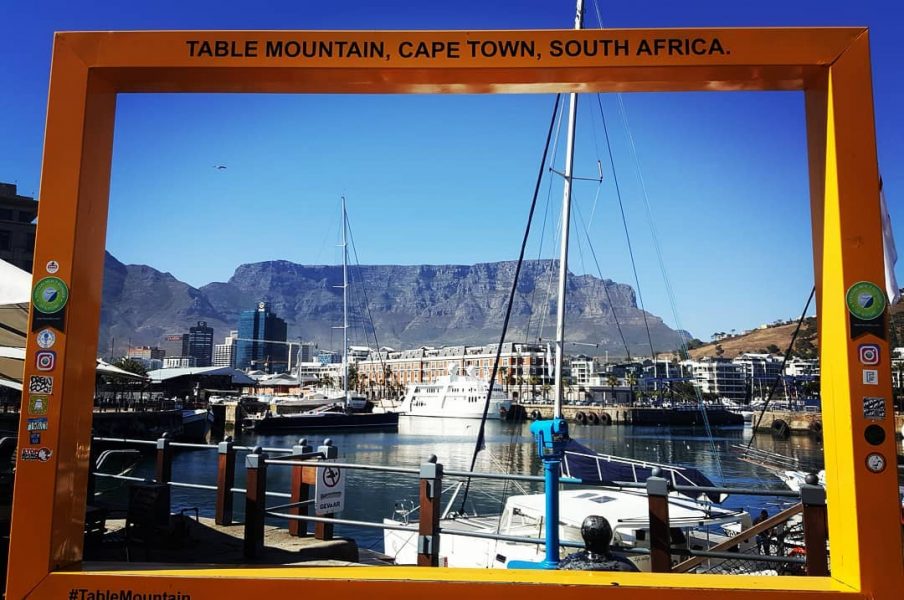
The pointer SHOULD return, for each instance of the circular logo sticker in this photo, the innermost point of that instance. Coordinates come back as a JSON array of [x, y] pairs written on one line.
[[866, 300], [52, 266], [50, 295], [46, 338]]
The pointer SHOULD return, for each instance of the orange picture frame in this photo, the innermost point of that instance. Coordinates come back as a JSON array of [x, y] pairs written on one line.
[[830, 65]]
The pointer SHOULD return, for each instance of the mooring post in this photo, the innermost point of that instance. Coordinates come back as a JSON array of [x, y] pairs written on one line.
[[164, 470], [660, 542], [255, 502], [813, 497], [299, 490], [431, 485], [225, 481], [324, 531]]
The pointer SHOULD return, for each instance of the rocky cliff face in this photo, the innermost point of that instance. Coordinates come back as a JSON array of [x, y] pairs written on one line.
[[410, 305]]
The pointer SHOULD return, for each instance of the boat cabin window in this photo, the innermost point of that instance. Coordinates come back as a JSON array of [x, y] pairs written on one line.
[[595, 497]]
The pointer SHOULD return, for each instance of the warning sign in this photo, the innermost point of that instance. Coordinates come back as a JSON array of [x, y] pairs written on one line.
[[329, 492]]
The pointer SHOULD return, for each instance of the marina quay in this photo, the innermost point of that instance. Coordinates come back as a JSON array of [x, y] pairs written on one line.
[[490, 300]]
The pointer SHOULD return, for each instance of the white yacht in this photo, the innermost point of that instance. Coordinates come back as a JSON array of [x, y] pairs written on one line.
[[454, 395]]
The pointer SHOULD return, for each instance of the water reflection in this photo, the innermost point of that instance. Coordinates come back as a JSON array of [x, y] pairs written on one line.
[[509, 447]]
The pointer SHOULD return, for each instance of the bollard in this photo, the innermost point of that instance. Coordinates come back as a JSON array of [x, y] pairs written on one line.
[[813, 497], [431, 485], [300, 490], [164, 470], [255, 502], [225, 481], [660, 542], [324, 531]]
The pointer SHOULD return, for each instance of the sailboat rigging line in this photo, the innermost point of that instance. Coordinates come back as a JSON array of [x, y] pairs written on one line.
[[621, 208], [533, 296], [800, 322], [370, 316], [670, 293], [605, 287], [479, 445]]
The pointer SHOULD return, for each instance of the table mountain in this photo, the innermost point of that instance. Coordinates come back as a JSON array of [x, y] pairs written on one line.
[[410, 305]]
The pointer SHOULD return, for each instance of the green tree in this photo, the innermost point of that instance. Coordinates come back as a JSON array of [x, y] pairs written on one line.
[[131, 365]]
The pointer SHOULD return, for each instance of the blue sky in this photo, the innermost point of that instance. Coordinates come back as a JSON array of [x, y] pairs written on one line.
[[448, 179]]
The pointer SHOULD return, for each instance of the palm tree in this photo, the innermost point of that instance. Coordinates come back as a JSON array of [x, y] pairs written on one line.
[[631, 380]]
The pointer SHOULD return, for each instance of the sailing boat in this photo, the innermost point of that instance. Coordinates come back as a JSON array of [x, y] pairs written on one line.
[[348, 411], [469, 541]]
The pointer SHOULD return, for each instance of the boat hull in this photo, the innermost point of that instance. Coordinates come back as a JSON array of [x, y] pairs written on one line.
[[326, 421], [195, 425]]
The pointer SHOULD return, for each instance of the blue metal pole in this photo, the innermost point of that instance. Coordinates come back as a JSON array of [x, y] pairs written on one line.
[[551, 468], [551, 437]]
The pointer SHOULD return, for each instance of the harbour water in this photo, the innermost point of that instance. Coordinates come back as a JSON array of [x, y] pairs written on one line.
[[371, 496]]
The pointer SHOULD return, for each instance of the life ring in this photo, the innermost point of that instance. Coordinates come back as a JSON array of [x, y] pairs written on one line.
[[580, 417], [594, 419], [605, 419], [816, 428], [535, 414], [780, 429]]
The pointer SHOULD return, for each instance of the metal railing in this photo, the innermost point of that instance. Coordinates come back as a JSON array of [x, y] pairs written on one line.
[[304, 460]]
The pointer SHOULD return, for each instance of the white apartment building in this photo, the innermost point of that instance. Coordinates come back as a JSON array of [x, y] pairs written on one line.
[[179, 362], [802, 367], [582, 370], [224, 354], [719, 376]]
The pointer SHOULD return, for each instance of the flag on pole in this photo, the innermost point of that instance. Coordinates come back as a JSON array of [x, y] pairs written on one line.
[[891, 253]]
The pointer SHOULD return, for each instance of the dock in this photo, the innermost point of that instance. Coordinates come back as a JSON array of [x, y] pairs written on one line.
[[689, 416], [202, 541], [788, 422]]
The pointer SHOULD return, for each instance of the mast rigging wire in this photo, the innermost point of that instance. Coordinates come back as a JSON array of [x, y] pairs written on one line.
[[800, 322], [605, 287], [621, 208], [508, 312]]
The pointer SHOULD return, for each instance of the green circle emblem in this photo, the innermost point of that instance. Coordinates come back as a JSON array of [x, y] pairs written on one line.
[[50, 295], [866, 300]]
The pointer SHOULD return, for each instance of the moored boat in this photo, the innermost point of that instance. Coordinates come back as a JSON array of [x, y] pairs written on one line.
[[455, 396]]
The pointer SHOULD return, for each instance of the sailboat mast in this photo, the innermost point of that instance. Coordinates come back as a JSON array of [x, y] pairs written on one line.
[[566, 222], [344, 303]]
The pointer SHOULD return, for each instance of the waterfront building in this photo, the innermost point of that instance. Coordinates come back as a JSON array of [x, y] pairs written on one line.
[[200, 343], [261, 342], [306, 352], [175, 344], [582, 369], [146, 353], [328, 357], [802, 367], [761, 370], [655, 374], [358, 353], [224, 354], [719, 377], [179, 362], [17, 227], [523, 368]]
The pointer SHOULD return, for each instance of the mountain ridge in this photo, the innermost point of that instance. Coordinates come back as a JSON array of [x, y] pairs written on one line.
[[412, 305]]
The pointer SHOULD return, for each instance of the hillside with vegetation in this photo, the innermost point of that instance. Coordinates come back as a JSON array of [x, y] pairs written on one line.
[[774, 339]]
